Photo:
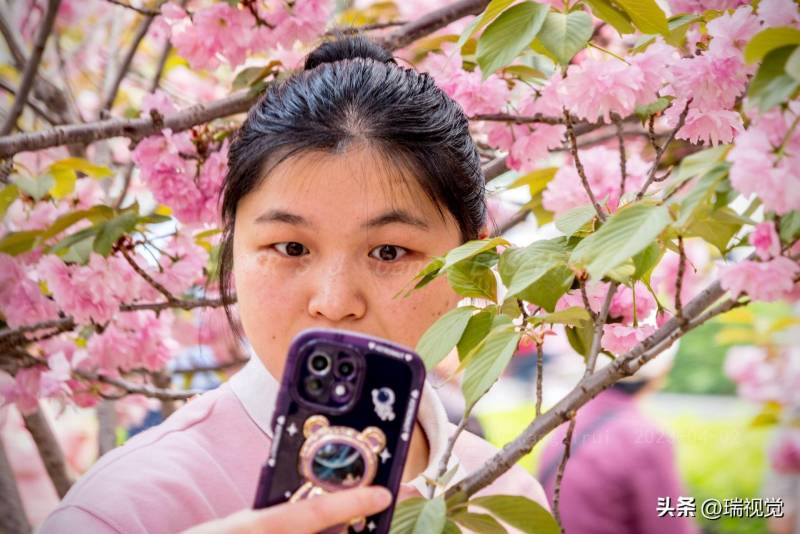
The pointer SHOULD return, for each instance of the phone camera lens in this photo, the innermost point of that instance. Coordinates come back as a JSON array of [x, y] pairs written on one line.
[[319, 363], [345, 368], [314, 386]]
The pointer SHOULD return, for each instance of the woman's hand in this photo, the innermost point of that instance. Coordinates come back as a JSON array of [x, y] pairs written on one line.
[[303, 517]]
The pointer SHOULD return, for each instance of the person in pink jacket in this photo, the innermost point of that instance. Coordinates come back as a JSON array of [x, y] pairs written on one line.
[[343, 182]]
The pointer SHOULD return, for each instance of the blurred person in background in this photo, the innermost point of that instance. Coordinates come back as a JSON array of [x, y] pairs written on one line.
[[621, 463]]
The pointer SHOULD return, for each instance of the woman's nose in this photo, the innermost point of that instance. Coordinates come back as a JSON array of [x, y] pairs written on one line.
[[336, 292]]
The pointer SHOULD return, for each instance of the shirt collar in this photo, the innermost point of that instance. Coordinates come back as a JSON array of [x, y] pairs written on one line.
[[257, 390]]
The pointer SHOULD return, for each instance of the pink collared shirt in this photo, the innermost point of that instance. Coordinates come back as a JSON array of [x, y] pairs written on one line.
[[203, 463]]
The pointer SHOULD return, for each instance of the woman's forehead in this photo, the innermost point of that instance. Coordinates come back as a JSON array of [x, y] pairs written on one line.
[[360, 183]]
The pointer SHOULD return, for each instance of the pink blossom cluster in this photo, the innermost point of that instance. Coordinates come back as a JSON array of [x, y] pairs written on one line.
[[231, 32], [168, 166], [602, 168], [766, 163], [699, 6], [33, 383], [21, 300], [92, 292], [765, 374], [713, 81], [784, 454], [132, 340], [467, 88], [621, 333], [596, 88]]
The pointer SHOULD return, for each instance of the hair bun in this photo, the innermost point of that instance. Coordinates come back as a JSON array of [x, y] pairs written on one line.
[[347, 47]]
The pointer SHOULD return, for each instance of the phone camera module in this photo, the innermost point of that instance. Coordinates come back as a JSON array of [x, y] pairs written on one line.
[[319, 363]]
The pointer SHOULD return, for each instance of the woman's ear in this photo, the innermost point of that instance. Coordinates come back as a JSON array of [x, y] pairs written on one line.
[[483, 233]]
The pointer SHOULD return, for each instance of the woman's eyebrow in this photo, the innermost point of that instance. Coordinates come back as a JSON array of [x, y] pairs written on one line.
[[275, 215], [396, 216]]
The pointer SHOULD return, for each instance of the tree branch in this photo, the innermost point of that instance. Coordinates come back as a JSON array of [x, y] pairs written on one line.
[[132, 128], [590, 386], [429, 23], [147, 12], [32, 65], [49, 450], [12, 512]]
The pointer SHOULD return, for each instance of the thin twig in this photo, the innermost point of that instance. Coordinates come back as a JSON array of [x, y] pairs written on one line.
[[31, 104], [113, 87], [623, 171], [561, 468], [448, 452], [12, 512], [539, 378], [660, 150], [147, 278], [140, 10], [517, 119], [31, 66], [579, 166], [679, 280]]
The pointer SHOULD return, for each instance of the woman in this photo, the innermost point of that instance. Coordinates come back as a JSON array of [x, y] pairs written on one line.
[[342, 182]]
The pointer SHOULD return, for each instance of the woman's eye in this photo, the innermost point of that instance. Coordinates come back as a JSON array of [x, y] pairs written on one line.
[[388, 252], [291, 248]]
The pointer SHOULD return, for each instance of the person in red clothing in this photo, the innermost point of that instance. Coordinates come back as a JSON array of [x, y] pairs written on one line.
[[621, 475]]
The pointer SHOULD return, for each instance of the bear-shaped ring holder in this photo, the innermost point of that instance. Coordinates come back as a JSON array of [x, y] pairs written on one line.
[[334, 458]]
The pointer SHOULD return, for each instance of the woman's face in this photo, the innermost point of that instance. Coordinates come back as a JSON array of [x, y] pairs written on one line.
[[327, 240]]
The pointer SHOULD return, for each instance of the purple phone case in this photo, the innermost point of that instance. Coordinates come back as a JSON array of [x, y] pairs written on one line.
[[387, 364]]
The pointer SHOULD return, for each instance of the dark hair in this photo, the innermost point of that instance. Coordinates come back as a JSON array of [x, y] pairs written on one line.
[[352, 90]]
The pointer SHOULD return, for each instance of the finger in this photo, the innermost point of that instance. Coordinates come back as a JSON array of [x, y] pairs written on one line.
[[319, 513]]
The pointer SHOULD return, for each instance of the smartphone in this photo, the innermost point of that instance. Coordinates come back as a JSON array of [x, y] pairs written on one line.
[[343, 418]]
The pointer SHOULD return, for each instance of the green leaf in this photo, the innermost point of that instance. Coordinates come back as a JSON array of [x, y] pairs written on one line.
[[473, 277], [536, 180], [580, 337], [442, 336], [405, 515], [646, 15], [35, 187], [790, 226], [645, 261], [81, 165], [623, 235], [451, 528], [792, 65], [472, 248], [488, 362], [768, 40], [574, 219], [250, 75], [110, 231], [95, 214], [8, 194], [491, 12], [432, 517], [771, 85], [608, 12], [546, 291], [520, 267], [715, 226], [700, 194], [14, 243], [520, 512], [427, 274], [657, 106], [574, 315], [508, 35], [477, 328], [483, 523], [564, 35], [63, 246]]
